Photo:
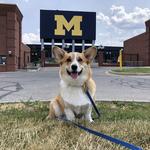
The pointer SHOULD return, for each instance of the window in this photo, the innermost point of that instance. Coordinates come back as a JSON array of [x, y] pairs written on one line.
[[2, 60], [28, 59]]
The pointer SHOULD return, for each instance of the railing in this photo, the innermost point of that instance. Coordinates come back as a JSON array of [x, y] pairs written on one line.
[[133, 63]]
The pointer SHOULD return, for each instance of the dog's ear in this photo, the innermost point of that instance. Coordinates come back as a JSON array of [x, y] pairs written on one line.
[[58, 53], [90, 53]]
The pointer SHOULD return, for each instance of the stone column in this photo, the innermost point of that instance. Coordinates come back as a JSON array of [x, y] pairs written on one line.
[[100, 58]]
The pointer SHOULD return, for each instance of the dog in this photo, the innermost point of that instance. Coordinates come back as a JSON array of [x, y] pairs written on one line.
[[75, 77]]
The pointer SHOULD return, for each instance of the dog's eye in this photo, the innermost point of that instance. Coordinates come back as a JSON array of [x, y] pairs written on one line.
[[68, 59], [80, 60]]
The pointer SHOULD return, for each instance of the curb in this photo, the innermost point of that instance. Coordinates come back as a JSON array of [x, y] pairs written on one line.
[[131, 74]]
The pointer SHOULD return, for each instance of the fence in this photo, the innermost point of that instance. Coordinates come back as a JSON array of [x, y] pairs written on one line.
[[133, 63]]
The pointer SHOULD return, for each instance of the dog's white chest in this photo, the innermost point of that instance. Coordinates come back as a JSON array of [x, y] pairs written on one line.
[[73, 95]]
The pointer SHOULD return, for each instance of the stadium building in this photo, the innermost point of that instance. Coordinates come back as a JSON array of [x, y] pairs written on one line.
[[106, 56], [15, 55]]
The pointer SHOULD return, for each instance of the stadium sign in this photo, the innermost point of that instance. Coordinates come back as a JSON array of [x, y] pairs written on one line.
[[67, 25]]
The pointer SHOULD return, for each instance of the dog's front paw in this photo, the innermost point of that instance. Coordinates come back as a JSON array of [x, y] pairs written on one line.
[[69, 114], [88, 117], [91, 120]]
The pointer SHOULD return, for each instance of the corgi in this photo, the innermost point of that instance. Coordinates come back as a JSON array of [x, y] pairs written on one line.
[[75, 76]]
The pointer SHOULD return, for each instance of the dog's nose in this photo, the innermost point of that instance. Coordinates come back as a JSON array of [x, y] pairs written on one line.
[[74, 67]]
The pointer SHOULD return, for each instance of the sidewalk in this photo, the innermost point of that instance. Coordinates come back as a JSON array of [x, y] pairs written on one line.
[[44, 85]]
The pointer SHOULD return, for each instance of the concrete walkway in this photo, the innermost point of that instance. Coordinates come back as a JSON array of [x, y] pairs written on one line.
[[44, 85]]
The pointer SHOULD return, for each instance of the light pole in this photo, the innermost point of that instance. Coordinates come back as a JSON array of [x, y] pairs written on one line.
[[100, 55]]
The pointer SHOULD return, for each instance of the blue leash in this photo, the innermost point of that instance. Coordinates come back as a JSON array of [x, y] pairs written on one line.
[[107, 137], [92, 102], [104, 136]]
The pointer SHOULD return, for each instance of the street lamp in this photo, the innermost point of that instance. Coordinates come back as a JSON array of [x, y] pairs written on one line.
[[67, 46], [101, 47], [9, 52]]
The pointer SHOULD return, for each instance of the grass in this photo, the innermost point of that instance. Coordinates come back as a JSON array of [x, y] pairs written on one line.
[[133, 70], [23, 127]]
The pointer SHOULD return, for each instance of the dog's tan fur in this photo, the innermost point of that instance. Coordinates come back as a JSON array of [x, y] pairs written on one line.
[[83, 81]]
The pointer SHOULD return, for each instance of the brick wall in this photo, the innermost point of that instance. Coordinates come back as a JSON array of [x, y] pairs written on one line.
[[138, 45], [10, 36], [25, 56]]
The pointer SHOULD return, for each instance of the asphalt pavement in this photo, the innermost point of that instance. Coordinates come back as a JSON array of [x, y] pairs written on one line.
[[44, 85]]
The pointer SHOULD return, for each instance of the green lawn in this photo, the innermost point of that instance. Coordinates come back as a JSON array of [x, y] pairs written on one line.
[[23, 127], [133, 70]]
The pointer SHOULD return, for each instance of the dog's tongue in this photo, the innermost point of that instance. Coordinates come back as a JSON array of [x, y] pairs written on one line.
[[74, 75]]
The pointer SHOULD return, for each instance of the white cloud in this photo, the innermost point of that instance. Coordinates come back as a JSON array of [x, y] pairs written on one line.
[[133, 19], [26, 0], [29, 38], [122, 19], [107, 39], [117, 37], [103, 18]]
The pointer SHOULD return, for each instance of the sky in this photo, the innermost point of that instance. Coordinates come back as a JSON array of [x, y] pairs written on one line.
[[116, 20]]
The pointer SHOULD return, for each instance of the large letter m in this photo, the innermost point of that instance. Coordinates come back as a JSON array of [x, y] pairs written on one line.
[[73, 24]]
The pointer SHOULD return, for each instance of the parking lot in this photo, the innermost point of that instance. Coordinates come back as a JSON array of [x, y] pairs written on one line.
[[44, 85]]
